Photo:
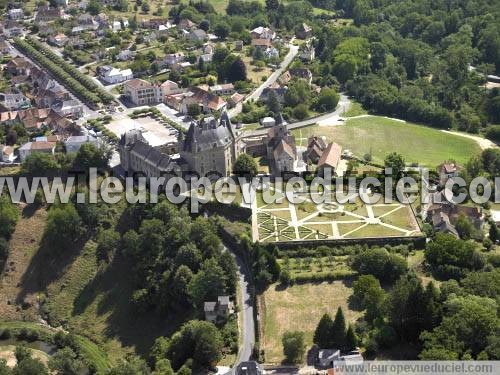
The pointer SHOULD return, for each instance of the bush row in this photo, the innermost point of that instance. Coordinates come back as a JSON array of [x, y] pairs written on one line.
[[321, 276]]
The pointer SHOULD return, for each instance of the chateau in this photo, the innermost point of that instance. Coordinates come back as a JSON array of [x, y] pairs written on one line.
[[209, 147]]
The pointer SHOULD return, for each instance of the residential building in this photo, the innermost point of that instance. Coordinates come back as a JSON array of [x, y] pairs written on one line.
[[36, 147], [12, 29], [224, 89], [19, 66], [74, 143], [271, 53], [281, 148], [186, 24], [262, 44], [303, 31], [315, 148], [446, 171], [48, 14], [445, 215], [307, 53], [262, 32], [58, 40], [235, 99], [249, 368], [5, 47], [68, 108], [218, 311], [7, 154], [16, 14], [327, 356], [13, 100], [330, 158], [125, 55], [110, 75], [197, 35], [141, 92], [173, 58], [207, 101], [300, 73]]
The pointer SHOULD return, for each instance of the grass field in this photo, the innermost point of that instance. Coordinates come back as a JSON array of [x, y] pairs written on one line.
[[381, 136], [300, 307]]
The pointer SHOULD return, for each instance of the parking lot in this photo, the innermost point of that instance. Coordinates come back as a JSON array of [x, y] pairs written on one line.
[[155, 132]]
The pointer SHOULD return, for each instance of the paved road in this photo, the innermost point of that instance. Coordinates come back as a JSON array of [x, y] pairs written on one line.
[[88, 113], [246, 305], [255, 95], [328, 119]]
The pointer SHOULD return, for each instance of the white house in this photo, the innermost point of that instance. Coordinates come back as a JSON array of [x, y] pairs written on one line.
[[16, 14], [112, 75], [68, 108], [74, 143], [267, 122], [7, 154]]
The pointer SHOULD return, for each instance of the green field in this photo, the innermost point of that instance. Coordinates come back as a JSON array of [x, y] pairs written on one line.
[[381, 136], [299, 308]]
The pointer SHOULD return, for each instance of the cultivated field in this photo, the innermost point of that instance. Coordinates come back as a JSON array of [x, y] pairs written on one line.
[[300, 307], [284, 221], [381, 136]]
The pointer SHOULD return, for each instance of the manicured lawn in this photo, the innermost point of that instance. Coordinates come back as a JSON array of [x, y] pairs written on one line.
[[381, 136], [300, 307]]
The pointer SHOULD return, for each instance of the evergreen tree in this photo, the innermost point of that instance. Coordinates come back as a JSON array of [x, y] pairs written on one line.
[[323, 333], [338, 329], [351, 341]]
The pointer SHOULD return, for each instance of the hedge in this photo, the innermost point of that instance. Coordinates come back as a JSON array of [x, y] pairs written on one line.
[[321, 276]]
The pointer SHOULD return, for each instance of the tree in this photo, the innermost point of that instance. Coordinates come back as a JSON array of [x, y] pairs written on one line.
[[221, 30], [145, 7], [107, 243], [380, 263], [193, 110], [11, 137], [8, 217], [4, 369], [4, 253], [30, 366], [272, 5], [464, 227], [199, 340], [339, 329], [396, 162], [300, 112], [324, 332], [273, 103], [328, 99], [208, 283], [351, 341], [237, 71], [293, 346], [66, 362], [467, 325], [94, 7], [64, 227], [163, 367], [245, 165], [39, 164], [132, 366], [450, 257], [493, 232]]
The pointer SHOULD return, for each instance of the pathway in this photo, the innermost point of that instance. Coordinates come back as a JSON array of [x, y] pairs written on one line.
[[482, 142]]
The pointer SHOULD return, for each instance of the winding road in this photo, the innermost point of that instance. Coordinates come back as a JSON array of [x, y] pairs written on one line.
[[327, 119]]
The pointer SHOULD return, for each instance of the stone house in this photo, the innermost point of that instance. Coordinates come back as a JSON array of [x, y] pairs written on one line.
[[36, 147], [281, 148], [315, 148], [446, 171], [330, 158], [218, 311], [304, 31]]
